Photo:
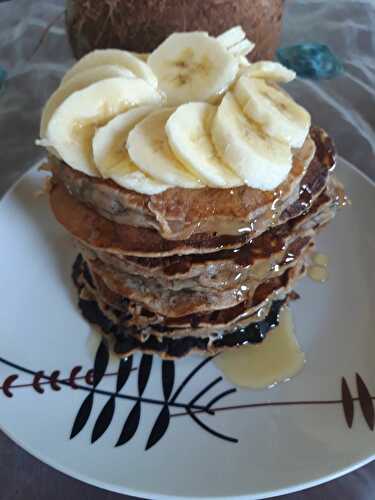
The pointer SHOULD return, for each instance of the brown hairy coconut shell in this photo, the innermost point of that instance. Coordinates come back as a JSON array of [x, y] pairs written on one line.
[[141, 25]]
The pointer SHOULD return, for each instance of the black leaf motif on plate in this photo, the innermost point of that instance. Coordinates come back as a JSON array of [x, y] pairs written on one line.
[[104, 419], [101, 363], [144, 372], [131, 425], [365, 401], [189, 377], [167, 377], [124, 371], [211, 431], [169, 401], [82, 415], [160, 427], [204, 390], [347, 402], [220, 396]]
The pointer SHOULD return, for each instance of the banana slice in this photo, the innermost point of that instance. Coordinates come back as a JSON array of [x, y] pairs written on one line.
[[78, 82], [149, 149], [189, 135], [115, 57], [232, 37], [244, 63], [109, 141], [192, 67], [261, 161], [270, 70], [143, 56], [111, 156], [72, 126], [132, 178], [242, 49], [275, 111], [236, 42]]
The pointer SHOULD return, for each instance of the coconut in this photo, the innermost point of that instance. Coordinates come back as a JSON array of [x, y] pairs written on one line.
[[141, 25]]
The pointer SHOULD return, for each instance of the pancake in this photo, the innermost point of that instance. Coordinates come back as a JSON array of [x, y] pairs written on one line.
[[215, 270], [178, 262], [171, 348], [189, 298], [127, 340], [205, 293], [100, 233], [132, 314], [315, 178], [227, 270], [179, 213]]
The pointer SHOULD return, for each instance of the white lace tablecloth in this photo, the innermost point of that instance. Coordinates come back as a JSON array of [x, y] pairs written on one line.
[[344, 106]]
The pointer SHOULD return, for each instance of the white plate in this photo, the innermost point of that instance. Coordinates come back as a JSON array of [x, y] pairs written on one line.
[[280, 448]]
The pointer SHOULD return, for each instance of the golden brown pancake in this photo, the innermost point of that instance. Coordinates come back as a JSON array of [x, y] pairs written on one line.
[[99, 232], [188, 297], [179, 213], [218, 269], [133, 313], [173, 273], [179, 344]]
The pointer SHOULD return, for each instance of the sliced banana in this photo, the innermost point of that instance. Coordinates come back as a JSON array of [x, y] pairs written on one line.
[[235, 41], [111, 156], [232, 36], [115, 57], [192, 67], [109, 141], [143, 56], [131, 177], [78, 82], [260, 160], [242, 49], [275, 111], [244, 62], [149, 149], [189, 135], [72, 126], [270, 70]]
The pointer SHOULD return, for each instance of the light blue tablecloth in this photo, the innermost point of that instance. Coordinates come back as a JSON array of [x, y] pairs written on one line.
[[344, 106]]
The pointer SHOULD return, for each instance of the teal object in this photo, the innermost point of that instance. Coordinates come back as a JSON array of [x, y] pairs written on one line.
[[3, 77], [311, 60]]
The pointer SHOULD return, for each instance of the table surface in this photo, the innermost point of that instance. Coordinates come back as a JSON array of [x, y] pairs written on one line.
[[343, 106]]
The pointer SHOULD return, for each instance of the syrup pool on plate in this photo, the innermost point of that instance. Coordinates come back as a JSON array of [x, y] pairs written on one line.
[[277, 359], [318, 270]]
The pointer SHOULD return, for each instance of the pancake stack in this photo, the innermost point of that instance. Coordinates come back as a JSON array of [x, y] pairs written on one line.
[[173, 273], [193, 186]]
